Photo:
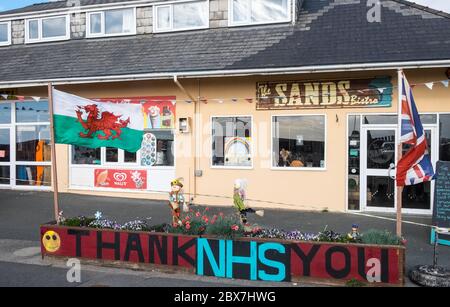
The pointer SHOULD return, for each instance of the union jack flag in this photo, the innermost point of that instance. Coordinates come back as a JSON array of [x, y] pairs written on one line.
[[415, 166]]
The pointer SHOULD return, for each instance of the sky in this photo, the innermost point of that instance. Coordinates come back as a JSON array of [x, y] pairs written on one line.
[[443, 5]]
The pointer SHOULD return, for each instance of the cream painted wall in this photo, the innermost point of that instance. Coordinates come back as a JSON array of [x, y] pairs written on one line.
[[299, 189]]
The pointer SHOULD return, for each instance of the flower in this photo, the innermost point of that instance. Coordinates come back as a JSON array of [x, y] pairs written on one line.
[[198, 214], [221, 214], [98, 215], [235, 227], [188, 226]]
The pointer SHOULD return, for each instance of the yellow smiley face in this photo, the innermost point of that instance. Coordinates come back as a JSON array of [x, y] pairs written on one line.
[[51, 241]]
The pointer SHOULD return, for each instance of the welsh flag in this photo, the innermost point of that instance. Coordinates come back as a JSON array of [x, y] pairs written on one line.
[[88, 123]]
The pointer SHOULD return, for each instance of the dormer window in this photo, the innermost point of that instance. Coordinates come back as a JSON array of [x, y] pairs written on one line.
[[181, 16], [111, 23], [248, 12], [47, 29], [5, 33]]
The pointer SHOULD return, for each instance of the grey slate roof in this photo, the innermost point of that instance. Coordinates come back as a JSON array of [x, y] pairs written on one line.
[[44, 6], [328, 32]]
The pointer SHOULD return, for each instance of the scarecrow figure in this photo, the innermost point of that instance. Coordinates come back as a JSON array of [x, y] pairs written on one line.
[[177, 201], [354, 235], [239, 201]]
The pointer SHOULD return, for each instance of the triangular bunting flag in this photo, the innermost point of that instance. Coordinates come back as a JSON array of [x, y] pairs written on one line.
[[429, 85], [381, 90], [5, 96], [20, 98], [174, 102], [35, 98], [249, 100], [445, 83], [234, 99]]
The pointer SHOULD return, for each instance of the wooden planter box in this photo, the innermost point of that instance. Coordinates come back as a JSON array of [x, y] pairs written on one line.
[[244, 258]]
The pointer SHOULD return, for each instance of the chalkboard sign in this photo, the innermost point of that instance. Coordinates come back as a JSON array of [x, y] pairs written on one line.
[[441, 212]]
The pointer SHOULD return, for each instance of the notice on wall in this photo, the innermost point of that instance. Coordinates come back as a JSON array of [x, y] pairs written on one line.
[[121, 179], [441, 212], [159, 112], [346, 93]]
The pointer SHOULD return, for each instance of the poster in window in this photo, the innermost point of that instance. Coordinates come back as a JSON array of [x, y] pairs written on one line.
[[121, 179], [159, 111], [238, 151]]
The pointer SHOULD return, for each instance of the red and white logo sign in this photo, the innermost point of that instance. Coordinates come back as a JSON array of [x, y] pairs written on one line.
[[121, 179]]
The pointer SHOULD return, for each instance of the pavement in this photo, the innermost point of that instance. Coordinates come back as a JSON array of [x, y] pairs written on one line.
[[21, 214]]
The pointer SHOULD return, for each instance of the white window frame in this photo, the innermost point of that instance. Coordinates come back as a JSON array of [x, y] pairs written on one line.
[[8, 42], [296, 169], [171, 29], [103, 23], [231, 22], [121, 159], [40, 38], [252, 145]]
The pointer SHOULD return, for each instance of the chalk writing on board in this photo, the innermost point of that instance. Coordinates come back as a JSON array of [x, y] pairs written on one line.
[[441, 212]]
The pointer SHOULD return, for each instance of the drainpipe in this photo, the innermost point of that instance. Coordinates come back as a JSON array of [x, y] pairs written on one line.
[[194, 130]]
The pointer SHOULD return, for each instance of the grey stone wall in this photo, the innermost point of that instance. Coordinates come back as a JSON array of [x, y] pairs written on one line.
[[144, 20], [78, 25], [218, 13], [18, 32]]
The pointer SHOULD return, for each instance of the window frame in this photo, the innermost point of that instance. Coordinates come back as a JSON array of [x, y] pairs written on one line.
[[252, 145], [40, 38], [171, 5], [232, 23], [303, 169], [9, 41], [103, 23]]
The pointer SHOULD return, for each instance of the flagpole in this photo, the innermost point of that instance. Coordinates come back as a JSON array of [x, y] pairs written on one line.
[[54, 167], [399, 152]]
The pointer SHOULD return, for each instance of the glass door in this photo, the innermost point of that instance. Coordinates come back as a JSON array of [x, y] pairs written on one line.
[[378, 188], [378, 156], [5, 157]]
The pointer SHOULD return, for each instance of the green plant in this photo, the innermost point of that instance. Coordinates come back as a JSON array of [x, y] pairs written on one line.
[[80, 221], [354, 283], [380, 237], [226, 227]]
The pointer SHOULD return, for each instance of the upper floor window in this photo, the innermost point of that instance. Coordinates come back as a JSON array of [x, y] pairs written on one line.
[[245, 12], [181, 16], [111, 23], [47, 29], [5, 33]]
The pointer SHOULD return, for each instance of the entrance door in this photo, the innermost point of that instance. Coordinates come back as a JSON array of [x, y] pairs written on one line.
[[378, 155], [378, 189], [5, 157]]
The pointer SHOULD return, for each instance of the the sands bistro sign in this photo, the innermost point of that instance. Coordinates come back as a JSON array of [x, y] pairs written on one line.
[[346, 93]]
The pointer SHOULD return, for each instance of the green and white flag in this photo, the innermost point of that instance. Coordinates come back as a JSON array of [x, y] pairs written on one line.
[[84, 122]]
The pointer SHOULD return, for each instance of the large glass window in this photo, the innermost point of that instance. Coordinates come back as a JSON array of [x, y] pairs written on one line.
[[33, 143], [47, 29], [5, 145], [259, 11], [112, 22], [86, 156], [31, 175], [182, 16], [5, 113], [32, 112], [5, 33], [158, 148], [444, 138], [299, 141], [5, 175], [232, 141]]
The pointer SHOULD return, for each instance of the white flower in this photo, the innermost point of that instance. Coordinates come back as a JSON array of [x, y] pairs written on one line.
[[98, 215]]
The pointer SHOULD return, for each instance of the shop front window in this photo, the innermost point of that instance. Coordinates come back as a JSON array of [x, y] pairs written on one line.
[[444, 138], [33, 143], [232, 141], [5, 113], [32, 175], [5, 145], [299, 141], [158, 148], [86, 156], [32, 112]]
